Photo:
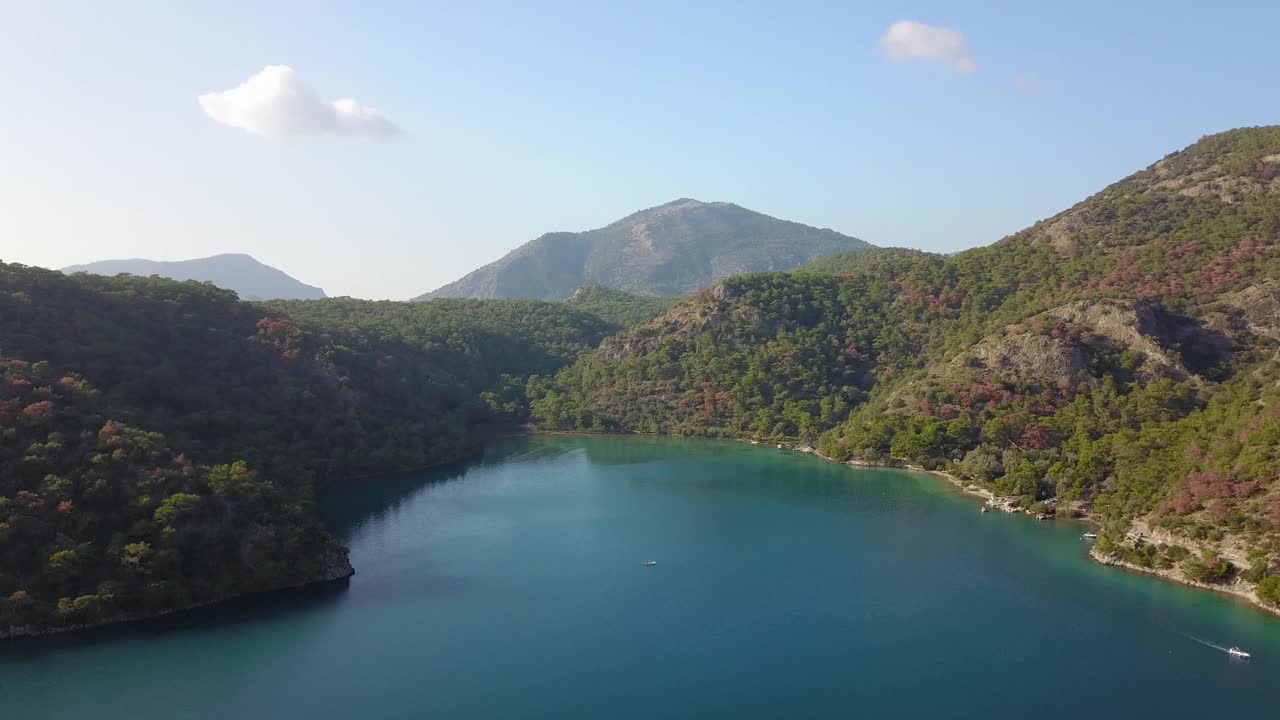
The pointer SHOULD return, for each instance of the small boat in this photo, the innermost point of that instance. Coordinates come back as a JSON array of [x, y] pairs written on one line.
[[650, 563], [1090, 536], [1237, 652], [1043, 516], [986, 509]]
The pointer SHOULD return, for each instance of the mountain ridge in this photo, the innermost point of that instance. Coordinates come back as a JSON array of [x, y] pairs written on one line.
[[239, 272], [666, 250]]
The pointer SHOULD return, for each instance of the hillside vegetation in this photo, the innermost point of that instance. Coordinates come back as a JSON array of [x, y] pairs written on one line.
[[618, 308], [1122, 355], [161, 442]]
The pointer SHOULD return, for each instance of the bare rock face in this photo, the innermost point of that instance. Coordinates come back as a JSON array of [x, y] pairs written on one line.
[[1260, 307], [1025, 353], [1022, 357], [1132, 326], [1055, 348]]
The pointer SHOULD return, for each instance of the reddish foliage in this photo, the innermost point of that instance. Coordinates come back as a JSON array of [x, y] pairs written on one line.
[[990, 392], [852, 352], [282, 334], [109, 436], [1202, 489], [1036, 437], [38, 411], [936, 302], [18, 384], [1067, 334], [708, 401], [26, 499], [1264, 171]]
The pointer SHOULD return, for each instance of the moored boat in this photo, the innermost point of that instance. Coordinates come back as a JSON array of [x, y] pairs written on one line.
[[1090, 536]]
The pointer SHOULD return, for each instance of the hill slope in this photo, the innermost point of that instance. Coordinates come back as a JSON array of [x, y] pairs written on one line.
[[617, 307], [1122, 354], [673, 249], [161, 442], [247, 277]]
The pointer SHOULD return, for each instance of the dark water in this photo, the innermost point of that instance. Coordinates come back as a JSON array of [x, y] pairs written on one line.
[[785, 587]]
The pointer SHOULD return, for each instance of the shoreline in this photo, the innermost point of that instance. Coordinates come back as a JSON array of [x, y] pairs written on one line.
[[1237, 588], [337, 572], [342, 571]]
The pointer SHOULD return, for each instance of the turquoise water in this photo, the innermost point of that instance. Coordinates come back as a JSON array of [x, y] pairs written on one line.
[[785, 587]]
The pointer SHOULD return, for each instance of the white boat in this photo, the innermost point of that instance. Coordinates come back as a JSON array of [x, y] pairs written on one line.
[[1237, 652], [650, 563], [1091, 536]]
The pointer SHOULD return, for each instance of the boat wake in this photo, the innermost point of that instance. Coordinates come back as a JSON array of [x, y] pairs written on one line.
[[1205, 642]]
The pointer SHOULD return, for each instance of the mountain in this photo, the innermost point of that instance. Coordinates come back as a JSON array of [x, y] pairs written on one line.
[[669, 250], [250, 279], [1121, 357]]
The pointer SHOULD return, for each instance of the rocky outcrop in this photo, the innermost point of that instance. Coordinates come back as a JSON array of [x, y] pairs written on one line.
[[1259, 305]]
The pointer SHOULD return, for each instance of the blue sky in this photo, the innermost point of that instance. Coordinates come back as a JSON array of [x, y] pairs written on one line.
[[516, 119]]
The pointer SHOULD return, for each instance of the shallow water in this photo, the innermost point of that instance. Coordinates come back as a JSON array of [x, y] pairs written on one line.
[[513, 587]]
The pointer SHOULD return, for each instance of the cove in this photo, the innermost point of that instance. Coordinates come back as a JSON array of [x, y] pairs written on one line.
[[785, 586]]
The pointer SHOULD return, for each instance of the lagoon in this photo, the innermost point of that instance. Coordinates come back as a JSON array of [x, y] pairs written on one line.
[[514, 587]]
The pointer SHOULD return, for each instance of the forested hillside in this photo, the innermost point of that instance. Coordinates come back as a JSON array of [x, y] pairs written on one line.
[[160, 442], [1122, 354], [618, 308]]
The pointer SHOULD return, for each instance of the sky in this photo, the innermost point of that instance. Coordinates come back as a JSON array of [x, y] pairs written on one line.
[[382, 149]]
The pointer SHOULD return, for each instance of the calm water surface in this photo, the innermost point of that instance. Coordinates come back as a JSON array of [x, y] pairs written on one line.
[[785, 587]]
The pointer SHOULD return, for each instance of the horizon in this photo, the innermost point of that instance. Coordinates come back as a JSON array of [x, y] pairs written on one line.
[[385, 154]]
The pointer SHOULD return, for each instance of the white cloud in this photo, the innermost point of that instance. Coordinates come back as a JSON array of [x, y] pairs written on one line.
[[276, 102], [908, 40]]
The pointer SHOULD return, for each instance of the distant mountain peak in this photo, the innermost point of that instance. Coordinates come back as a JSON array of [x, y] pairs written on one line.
[[241, 272], [670, 249]]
